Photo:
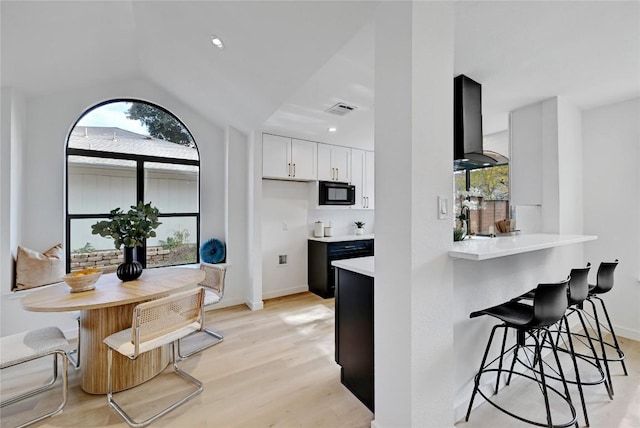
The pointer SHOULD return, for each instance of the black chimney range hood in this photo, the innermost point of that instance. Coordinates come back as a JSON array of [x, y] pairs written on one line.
[[467, 127]]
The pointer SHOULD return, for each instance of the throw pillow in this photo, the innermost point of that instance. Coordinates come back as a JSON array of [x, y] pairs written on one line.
[[34, 269]]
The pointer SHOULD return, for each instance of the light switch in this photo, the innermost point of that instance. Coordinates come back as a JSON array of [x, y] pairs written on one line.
[[443, 208]]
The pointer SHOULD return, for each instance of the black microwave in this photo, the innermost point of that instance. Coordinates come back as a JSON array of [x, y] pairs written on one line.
[[336, 193]]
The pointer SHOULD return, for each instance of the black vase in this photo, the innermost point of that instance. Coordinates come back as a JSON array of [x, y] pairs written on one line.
[[131, 268]]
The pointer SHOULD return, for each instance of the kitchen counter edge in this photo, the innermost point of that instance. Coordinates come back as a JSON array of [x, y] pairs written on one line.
[[484, 249], [361, 265], [342, 238]]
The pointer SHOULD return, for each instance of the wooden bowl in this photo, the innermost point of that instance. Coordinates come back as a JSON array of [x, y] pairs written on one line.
[[82, 280]]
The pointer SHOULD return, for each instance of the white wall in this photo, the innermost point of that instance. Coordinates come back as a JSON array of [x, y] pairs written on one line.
[[611, 155], [497, 142], [284, 202], [47, 121]]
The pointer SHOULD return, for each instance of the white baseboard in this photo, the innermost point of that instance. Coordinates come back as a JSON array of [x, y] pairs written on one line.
[[628, 333], [285, 292], [255, 306]]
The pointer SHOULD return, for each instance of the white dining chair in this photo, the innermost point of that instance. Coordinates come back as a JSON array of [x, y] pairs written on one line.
[[157, 323], [74, 354], [213, 284], [31, 345]]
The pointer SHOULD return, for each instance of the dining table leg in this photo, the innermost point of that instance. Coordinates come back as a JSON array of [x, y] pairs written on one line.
[[95, 325]]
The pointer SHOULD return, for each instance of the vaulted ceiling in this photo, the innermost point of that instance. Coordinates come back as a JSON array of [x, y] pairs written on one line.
[[284, 63]]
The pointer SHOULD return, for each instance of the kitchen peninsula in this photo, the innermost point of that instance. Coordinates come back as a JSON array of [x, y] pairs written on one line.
[[354, 326], [487, 271], [490, 271]]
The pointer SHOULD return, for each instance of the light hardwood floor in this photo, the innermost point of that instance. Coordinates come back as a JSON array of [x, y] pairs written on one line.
[[276, 368]]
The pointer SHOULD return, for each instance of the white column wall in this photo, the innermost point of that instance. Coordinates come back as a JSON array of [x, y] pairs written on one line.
[[13, 111], [414, 152], [238, 217], [253, 296]]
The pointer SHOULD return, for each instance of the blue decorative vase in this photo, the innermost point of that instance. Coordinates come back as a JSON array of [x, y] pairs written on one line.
[[131, 268]]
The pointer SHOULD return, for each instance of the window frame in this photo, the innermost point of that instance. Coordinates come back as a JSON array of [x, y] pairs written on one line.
[[140, 182], [467, 187]]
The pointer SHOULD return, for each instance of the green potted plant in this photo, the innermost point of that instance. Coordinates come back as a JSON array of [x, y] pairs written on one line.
[[359, 227], [130, 229]]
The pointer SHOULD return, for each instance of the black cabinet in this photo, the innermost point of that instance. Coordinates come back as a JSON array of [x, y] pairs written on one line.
[[320, 255], [354, 334]]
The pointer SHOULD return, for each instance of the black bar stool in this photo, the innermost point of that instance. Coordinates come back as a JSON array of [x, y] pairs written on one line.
[[578, 292], [549, 305], [604, 284]]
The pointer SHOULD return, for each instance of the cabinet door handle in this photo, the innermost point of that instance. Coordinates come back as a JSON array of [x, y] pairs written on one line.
[[294, 169], [333, 173], [337, 174], [289, 169]]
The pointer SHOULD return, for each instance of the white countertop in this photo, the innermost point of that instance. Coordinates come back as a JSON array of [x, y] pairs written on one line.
[[341, 238], [361, 265], [491, 248]]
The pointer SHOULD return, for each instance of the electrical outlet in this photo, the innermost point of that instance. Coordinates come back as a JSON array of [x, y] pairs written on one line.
[[282, 259], [285, 226]]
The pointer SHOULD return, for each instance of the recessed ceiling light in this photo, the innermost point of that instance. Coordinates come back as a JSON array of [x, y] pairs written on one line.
[[217, 42], [332, 129]]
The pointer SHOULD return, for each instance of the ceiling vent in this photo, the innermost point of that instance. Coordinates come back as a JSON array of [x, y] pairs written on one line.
[[341, 109]]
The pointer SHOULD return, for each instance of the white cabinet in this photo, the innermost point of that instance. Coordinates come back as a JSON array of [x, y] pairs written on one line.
[[369, 180], [304, 163], [333, 163], [362, 176], [525, 165], [288, 158]]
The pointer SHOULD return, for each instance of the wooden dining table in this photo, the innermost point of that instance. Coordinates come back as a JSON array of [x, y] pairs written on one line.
[[108, 309]]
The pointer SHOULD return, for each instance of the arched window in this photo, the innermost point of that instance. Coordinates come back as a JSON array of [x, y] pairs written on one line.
[[119, 153]]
